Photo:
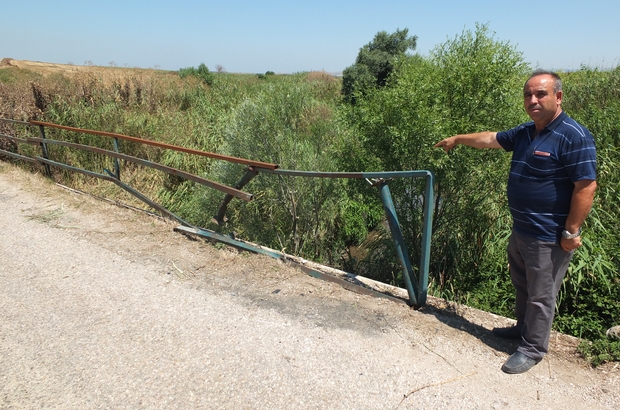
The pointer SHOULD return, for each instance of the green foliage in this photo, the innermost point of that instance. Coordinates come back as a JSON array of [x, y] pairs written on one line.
[[589, 301], [592, 97], [14, 75], [285, 124], [462, 87], [601, 351], [375, 62], [266, 75], [201, 72], [356, 79]]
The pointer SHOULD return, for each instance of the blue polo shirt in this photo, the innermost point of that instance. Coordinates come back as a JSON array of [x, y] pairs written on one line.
[[543, 171]]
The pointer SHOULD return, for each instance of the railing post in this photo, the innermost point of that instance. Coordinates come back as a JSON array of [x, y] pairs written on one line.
[[48, 171], [251, 172], [117, 168], [427, 228], [399, 241]]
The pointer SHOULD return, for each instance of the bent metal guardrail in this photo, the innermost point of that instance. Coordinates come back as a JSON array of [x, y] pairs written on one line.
[[416, 287]]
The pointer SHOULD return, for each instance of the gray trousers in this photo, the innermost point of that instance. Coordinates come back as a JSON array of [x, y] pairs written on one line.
[[537, 269]]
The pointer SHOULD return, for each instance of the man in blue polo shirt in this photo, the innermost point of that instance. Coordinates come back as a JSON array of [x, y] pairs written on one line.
[[551, 187]]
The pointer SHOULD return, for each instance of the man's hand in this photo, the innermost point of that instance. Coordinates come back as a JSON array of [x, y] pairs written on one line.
[[447, 144], [580, 205], [570, 244], [477, 140]]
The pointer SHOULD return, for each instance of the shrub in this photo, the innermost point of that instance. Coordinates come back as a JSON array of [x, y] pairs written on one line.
[[202, 72], [287, 125]]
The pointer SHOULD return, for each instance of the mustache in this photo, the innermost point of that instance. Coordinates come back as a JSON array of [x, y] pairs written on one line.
[[534, 106]]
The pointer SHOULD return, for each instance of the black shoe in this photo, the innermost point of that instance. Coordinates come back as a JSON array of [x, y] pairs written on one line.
[[513, 332], [519, 363]]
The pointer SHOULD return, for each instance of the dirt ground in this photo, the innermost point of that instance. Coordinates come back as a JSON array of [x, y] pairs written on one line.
[[105, 307]]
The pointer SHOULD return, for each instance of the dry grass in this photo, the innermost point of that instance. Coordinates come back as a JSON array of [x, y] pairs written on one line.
[[27, 87], [47, 69], [320, 76]]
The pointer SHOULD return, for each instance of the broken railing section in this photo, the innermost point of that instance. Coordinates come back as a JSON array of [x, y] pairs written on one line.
[[350, 282], [416, 286]]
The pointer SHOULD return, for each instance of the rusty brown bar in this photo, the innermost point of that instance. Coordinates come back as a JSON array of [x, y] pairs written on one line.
[[173, 171], [236, 160]]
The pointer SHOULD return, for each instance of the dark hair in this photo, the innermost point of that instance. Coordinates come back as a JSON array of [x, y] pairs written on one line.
[[557, 81]]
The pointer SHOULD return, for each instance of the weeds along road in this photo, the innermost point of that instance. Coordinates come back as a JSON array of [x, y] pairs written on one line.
[[105, 307]]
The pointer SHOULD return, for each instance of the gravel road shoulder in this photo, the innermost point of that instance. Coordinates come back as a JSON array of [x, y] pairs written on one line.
[[106, 307]]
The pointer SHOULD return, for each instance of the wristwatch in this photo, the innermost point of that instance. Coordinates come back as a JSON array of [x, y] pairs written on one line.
[[568, 235]]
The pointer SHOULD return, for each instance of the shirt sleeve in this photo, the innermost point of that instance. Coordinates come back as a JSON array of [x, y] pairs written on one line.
[[507, 138], [579, 156]]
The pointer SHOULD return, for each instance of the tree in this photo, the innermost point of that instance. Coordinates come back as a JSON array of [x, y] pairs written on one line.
[[201, 72], [375, 62]]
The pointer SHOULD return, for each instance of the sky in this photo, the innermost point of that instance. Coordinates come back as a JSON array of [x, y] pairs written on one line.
[[289, 36]]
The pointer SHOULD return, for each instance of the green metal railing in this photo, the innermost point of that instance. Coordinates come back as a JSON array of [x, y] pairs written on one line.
[[416, 285]]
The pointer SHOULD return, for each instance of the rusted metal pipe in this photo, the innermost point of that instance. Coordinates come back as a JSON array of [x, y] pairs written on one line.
[[48, 171], [223, 188], [236, 160]]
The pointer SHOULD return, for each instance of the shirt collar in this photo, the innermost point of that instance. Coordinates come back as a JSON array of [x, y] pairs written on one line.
[[549, 127], [553, 124]]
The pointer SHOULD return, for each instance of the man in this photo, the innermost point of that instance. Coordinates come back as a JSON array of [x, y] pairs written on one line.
[[551, 187]]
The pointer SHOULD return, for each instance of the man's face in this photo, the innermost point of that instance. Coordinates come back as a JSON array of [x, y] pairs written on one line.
[[541, 103]]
